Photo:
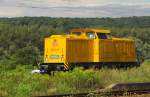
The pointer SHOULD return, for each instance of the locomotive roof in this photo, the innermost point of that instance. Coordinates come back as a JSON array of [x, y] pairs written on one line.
[[91, 30]]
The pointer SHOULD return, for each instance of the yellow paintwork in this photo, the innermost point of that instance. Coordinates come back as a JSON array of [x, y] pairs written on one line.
[[54, 47], [72, 48]]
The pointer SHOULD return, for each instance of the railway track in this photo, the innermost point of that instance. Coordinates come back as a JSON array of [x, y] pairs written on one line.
[[114, 89]]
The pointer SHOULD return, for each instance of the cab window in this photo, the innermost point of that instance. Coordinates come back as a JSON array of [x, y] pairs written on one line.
[[76, 33], [103, 35], [90, 35]]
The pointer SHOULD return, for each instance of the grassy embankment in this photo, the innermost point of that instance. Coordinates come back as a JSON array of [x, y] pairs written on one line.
[[21, 83]]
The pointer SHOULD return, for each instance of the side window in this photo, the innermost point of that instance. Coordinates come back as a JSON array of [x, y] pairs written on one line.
[[77, 33], [90, 35], [103, 36]]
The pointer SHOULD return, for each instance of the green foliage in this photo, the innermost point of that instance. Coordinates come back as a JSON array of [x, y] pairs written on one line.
[[27, 55], [76, 80], [21, 83]]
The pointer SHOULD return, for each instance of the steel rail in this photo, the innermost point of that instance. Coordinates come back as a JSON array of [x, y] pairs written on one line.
[[114, 89]]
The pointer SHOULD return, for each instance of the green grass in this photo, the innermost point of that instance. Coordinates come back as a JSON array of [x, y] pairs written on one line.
[[21, 83]]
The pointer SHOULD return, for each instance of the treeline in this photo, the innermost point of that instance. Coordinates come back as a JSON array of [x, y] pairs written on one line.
[[21, 39]]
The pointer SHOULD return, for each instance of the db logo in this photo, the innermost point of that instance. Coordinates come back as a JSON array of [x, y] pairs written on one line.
[[55, 43]]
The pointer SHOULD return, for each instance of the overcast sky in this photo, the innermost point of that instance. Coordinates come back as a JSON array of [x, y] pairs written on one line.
[[74, 8]]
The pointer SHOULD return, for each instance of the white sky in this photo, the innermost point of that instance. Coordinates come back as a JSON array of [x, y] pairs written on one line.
[[74, 8]]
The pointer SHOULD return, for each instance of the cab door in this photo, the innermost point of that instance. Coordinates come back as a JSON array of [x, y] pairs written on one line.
[[94, 49], [106, 47]]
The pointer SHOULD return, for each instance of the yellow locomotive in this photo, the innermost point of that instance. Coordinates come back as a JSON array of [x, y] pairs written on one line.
[[88, 48]]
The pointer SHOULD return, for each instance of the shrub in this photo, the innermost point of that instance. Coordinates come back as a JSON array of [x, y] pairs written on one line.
[[20, 82]]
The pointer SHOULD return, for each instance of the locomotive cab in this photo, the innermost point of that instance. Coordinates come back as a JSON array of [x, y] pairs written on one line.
[[92, 33]]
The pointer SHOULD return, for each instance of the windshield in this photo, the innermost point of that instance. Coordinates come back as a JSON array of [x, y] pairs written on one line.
[[91, 35], [77, 33], [104, 36]]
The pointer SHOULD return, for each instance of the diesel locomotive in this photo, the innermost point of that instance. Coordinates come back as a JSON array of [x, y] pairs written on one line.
[[87, 48]]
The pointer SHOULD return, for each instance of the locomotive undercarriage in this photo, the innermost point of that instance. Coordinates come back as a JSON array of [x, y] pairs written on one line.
[[49, 67]]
